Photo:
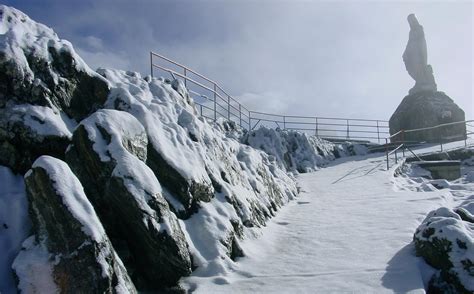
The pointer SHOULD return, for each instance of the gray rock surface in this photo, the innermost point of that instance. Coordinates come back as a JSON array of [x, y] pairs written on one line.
[[128, 198], [39, 70], [428, 109], [66, 223], [443, 240]]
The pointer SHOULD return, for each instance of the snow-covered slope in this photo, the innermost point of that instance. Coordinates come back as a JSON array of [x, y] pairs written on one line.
[[14, 224], [166, 186], [299, 152]]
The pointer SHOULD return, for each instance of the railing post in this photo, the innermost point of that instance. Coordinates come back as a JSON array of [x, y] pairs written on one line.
[[386, 152], [316, 130], [465, 134], [151, 64], [185, 77], [378, 133], [347, 128], [201, 108], [240, 115], [228, 108], [441, 144], [215, 103], [250, 120], [396, 159], [284, 122]]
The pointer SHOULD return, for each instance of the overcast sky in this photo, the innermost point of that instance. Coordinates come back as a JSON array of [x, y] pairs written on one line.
[[321, 58]]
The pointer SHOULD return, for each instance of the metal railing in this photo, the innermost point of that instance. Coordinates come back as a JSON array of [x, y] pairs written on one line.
[[397, 141], [213, 102]]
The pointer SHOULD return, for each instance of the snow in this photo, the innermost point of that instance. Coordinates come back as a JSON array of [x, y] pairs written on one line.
[[44, 121], [297, 151], [157, 106], [20, 36], [14, 224], [124, 129], [199, 150], [119, 125], [34, 268], [448, 225], [350, 230], [72, 194]]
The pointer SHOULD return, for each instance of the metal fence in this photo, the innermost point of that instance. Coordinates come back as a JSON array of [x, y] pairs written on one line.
[[398, 142], [213, 102]]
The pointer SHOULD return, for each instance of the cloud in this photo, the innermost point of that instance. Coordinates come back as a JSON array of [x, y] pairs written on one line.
[[304, 57]]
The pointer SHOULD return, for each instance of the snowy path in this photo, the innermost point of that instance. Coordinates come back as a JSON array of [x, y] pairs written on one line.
[[349, 231]]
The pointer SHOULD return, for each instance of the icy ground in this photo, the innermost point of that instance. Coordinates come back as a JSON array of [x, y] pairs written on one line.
[[349, 231]]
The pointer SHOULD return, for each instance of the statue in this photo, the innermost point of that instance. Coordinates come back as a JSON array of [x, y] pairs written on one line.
[[424, 106], [415, 58]]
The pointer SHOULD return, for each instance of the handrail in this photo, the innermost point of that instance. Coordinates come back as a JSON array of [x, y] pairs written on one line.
[[403, 142], [234, 110], [438, 126]]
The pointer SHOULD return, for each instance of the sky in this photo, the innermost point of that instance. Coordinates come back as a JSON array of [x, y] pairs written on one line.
[[315, 58]]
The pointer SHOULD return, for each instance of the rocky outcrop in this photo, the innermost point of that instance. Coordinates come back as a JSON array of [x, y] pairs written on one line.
[[143, 161], [81, 257], [42, 83], [298, 152], [428, 109], [424, 106], [445, 242], [108, 153]]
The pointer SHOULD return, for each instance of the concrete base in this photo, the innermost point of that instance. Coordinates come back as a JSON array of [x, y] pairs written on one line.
[[445, 169]]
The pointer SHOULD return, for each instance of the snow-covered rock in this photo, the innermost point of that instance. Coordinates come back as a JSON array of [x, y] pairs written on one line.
[[39, 68], [70, 251], [108, 154], [172, 192], [446, 242], [297, 151], [43, 85]]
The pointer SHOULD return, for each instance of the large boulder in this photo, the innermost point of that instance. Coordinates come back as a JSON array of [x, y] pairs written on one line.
[[70, 251], [29, 131], [38, 68], [108, 153], [446, 242], [43, 82], [428, 109]]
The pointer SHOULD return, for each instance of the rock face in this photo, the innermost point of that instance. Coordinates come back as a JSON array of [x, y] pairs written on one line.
[[41, 80], [108, 154], [444, 241], [424, 106], [427, 109], [81, 257]]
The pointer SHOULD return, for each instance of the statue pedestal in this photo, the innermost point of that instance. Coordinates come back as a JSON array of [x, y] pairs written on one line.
[[428, 109]]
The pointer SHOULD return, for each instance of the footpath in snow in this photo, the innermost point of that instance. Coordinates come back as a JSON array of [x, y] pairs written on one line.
[[349, 231]]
